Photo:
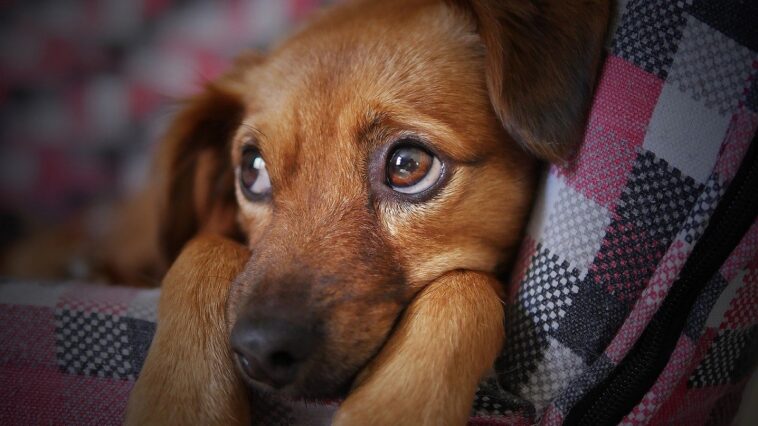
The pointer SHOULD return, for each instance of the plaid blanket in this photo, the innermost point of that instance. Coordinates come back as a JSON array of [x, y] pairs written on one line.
[[674, 113], [69, 353], [673, 117]]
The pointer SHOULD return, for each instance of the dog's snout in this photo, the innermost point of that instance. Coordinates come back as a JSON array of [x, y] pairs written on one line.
[[271, 351]]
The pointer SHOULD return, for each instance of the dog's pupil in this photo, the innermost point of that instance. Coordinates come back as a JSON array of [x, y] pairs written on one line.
[[407, 165], [406, 161], [252, 164], [249, 173]]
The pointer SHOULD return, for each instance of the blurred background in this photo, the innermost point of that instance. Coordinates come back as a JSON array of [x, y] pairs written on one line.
[[87, 87]]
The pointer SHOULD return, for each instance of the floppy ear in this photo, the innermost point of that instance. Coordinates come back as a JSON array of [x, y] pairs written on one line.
[[541, 61], [197, 193]]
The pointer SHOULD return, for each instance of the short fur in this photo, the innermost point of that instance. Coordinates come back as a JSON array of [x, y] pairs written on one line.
[[402, 293], [188, 377]]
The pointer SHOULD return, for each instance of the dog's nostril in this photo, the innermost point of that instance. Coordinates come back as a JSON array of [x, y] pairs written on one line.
[[281, 359]]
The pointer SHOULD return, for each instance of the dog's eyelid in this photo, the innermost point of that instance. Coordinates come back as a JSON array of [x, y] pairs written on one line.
[[423, 131], [436, 145], [243, 143], [250, 129], [248, 141], [431, 145], [248, 135], [436, 135]]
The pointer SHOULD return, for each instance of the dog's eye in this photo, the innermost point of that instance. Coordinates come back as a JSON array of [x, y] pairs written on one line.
[[412, 169], [253, 176]]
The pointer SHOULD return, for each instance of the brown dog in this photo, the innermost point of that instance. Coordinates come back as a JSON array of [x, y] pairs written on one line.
[[382, 165]]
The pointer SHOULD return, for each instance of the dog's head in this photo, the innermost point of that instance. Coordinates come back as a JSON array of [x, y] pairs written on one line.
[[383, 145]]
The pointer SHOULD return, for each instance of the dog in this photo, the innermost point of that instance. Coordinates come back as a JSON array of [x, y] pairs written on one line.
[[378, 166]]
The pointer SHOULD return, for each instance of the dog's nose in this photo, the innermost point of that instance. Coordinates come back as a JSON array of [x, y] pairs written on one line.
[[271, 351]]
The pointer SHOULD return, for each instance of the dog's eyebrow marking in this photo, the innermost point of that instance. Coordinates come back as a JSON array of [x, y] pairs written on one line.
[[372, 124], [376, 125]]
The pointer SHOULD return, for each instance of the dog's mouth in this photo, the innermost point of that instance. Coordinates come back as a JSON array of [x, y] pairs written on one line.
[[294, 391], [314, 385]]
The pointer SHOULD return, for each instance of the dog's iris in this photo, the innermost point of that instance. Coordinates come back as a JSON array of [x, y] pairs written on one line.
[[253, 175], [411, 169]]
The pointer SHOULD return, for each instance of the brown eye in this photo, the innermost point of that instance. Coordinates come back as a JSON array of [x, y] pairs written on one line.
[[411, 169], [253, 175]]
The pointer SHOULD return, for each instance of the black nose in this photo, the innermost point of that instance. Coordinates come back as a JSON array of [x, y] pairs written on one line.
[[271, 351]]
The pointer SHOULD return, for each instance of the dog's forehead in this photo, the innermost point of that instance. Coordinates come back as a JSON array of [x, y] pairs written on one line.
[[411, 59]]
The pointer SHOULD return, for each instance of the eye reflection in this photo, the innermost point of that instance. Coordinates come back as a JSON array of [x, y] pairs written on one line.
[[412, 169], [253, 175]]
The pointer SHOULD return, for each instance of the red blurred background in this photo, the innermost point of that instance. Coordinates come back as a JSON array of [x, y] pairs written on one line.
[[86, 88]]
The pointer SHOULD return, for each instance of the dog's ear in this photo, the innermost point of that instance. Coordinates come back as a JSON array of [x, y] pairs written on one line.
[[197, 190], [541, 60]]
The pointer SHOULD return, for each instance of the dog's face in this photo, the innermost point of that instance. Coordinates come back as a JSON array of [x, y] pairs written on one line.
[[368, 158], [370, 162]]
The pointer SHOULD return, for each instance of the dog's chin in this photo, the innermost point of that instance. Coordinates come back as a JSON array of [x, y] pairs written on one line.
[[309, 387], [300, 392]]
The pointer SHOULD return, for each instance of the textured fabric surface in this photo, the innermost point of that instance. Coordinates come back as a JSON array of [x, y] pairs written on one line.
[[674, 113], [69, 353]]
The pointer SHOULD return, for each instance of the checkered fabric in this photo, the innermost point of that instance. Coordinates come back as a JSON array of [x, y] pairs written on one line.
[[69, 353], [674, 113]]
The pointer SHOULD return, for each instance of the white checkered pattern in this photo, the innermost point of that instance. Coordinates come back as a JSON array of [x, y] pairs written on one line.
[[576, 228]]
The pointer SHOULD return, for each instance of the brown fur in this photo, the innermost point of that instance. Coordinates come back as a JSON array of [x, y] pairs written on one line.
[[187, 377], [402, 291], [413, 380]]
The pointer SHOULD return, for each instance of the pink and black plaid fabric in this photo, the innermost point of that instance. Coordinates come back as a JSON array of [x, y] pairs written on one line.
[[69, 353], [673, 116]]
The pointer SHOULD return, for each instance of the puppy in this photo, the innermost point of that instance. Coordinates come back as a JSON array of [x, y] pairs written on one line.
[[379, 165]]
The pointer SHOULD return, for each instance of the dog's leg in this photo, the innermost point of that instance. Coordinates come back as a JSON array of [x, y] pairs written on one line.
[[429, 369], [188, 376]]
